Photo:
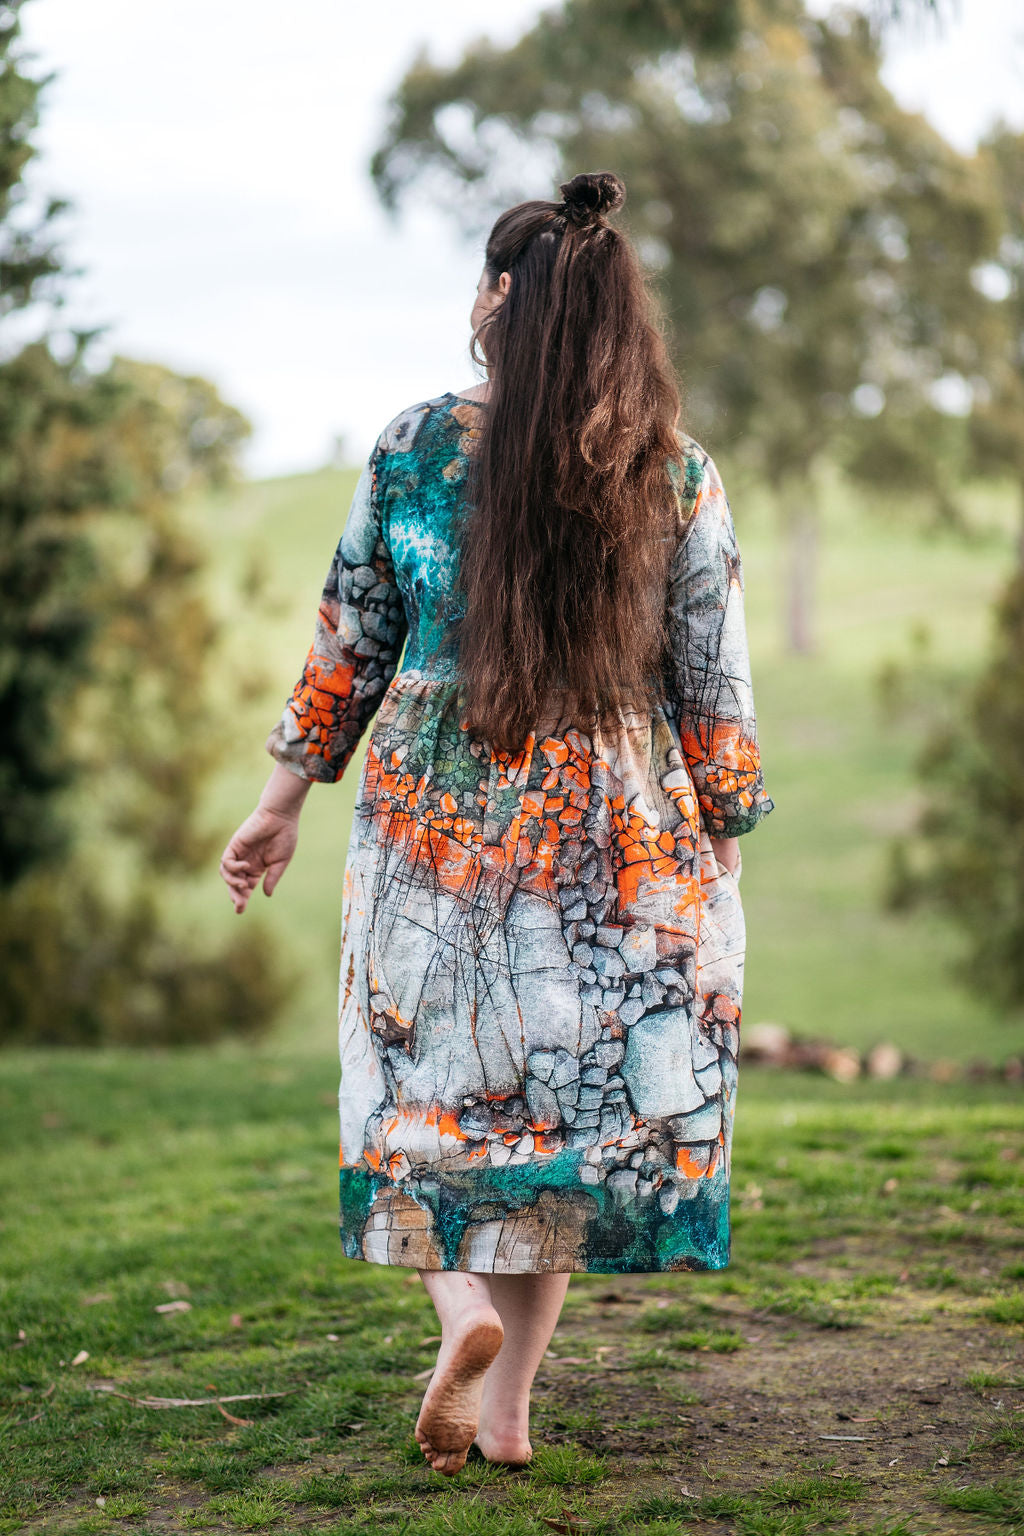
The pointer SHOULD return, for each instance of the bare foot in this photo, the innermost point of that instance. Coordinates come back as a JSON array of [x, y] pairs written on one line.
[[507, 1445], [451, 1405]]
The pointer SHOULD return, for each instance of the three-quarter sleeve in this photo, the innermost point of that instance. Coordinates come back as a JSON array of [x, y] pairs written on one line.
[[711, 682], [361, 627]]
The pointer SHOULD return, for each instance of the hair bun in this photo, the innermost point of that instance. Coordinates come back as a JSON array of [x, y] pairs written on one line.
[[592, 194]]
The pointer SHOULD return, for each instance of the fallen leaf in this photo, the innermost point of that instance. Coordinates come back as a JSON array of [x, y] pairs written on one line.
[[174, 1306], [943, 1461], [332, 1338], [566, 1522], [242, 1423], [81, 1357], [236, 1319]]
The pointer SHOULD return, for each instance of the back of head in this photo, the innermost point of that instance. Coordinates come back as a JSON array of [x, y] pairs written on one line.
[[564, 556]]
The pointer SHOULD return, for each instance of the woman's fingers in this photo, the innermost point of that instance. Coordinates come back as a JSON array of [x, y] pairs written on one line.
[[233, 875], [259, 851]]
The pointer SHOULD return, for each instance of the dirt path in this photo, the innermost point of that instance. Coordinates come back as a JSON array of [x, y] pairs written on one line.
[[887, 1401]]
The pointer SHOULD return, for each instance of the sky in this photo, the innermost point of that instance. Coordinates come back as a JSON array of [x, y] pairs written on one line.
[[216, 159]]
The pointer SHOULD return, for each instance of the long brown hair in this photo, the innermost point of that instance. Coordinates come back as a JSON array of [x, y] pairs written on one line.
[[564, 555]]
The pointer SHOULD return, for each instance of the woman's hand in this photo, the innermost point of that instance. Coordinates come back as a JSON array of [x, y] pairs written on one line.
[[262, 847]]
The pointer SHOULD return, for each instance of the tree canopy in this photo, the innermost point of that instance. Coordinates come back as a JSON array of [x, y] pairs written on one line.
[[814, 244]]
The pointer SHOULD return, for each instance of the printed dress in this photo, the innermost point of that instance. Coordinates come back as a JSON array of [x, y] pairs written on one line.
[[542, 959]]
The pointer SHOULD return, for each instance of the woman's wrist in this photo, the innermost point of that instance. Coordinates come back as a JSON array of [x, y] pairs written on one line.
[[284, 793], [727, 852]]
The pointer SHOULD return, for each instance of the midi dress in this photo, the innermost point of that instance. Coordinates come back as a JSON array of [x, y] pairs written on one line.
[[541, 957]]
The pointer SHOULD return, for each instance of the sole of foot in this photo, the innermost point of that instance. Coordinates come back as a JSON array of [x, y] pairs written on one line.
[[448, 1417]]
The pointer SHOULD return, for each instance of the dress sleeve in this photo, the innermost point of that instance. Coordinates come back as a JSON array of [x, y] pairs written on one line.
[[361, 627], [711, 682]]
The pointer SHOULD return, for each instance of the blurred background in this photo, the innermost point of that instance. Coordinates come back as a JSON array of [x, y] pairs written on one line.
[[233, 248]]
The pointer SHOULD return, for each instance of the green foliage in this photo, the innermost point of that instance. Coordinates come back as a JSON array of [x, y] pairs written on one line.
[[997, 421], [77, 967], [29, 255], [109, 730], [972, 828]]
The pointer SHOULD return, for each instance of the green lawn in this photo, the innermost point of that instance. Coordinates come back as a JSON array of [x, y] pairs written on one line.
[[825, 956], [858, 1368]]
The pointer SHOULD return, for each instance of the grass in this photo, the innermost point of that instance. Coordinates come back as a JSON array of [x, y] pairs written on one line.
[[825, 956], [131, 1181]]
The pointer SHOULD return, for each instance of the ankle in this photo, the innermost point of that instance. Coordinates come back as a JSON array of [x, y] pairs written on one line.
[[499, 1411]]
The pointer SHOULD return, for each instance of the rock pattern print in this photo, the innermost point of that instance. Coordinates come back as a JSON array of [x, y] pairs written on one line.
[[542, 959]]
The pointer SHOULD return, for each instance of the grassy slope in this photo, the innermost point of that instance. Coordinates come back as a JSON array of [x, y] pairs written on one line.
[[824, 956]]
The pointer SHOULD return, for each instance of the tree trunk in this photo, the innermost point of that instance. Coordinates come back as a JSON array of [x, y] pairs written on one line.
[[801, 577]]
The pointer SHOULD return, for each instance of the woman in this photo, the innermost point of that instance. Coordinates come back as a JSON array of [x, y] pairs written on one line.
[[543, 940]]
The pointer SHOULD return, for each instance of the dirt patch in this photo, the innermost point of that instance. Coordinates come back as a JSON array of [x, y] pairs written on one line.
[[887, 1401]]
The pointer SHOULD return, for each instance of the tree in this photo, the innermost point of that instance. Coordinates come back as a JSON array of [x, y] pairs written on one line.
[[971, 832], [997, 420], [813, 242], [105, 638], [972, 828]]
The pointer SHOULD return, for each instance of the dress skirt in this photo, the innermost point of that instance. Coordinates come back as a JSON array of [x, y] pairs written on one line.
[[540, 996]]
